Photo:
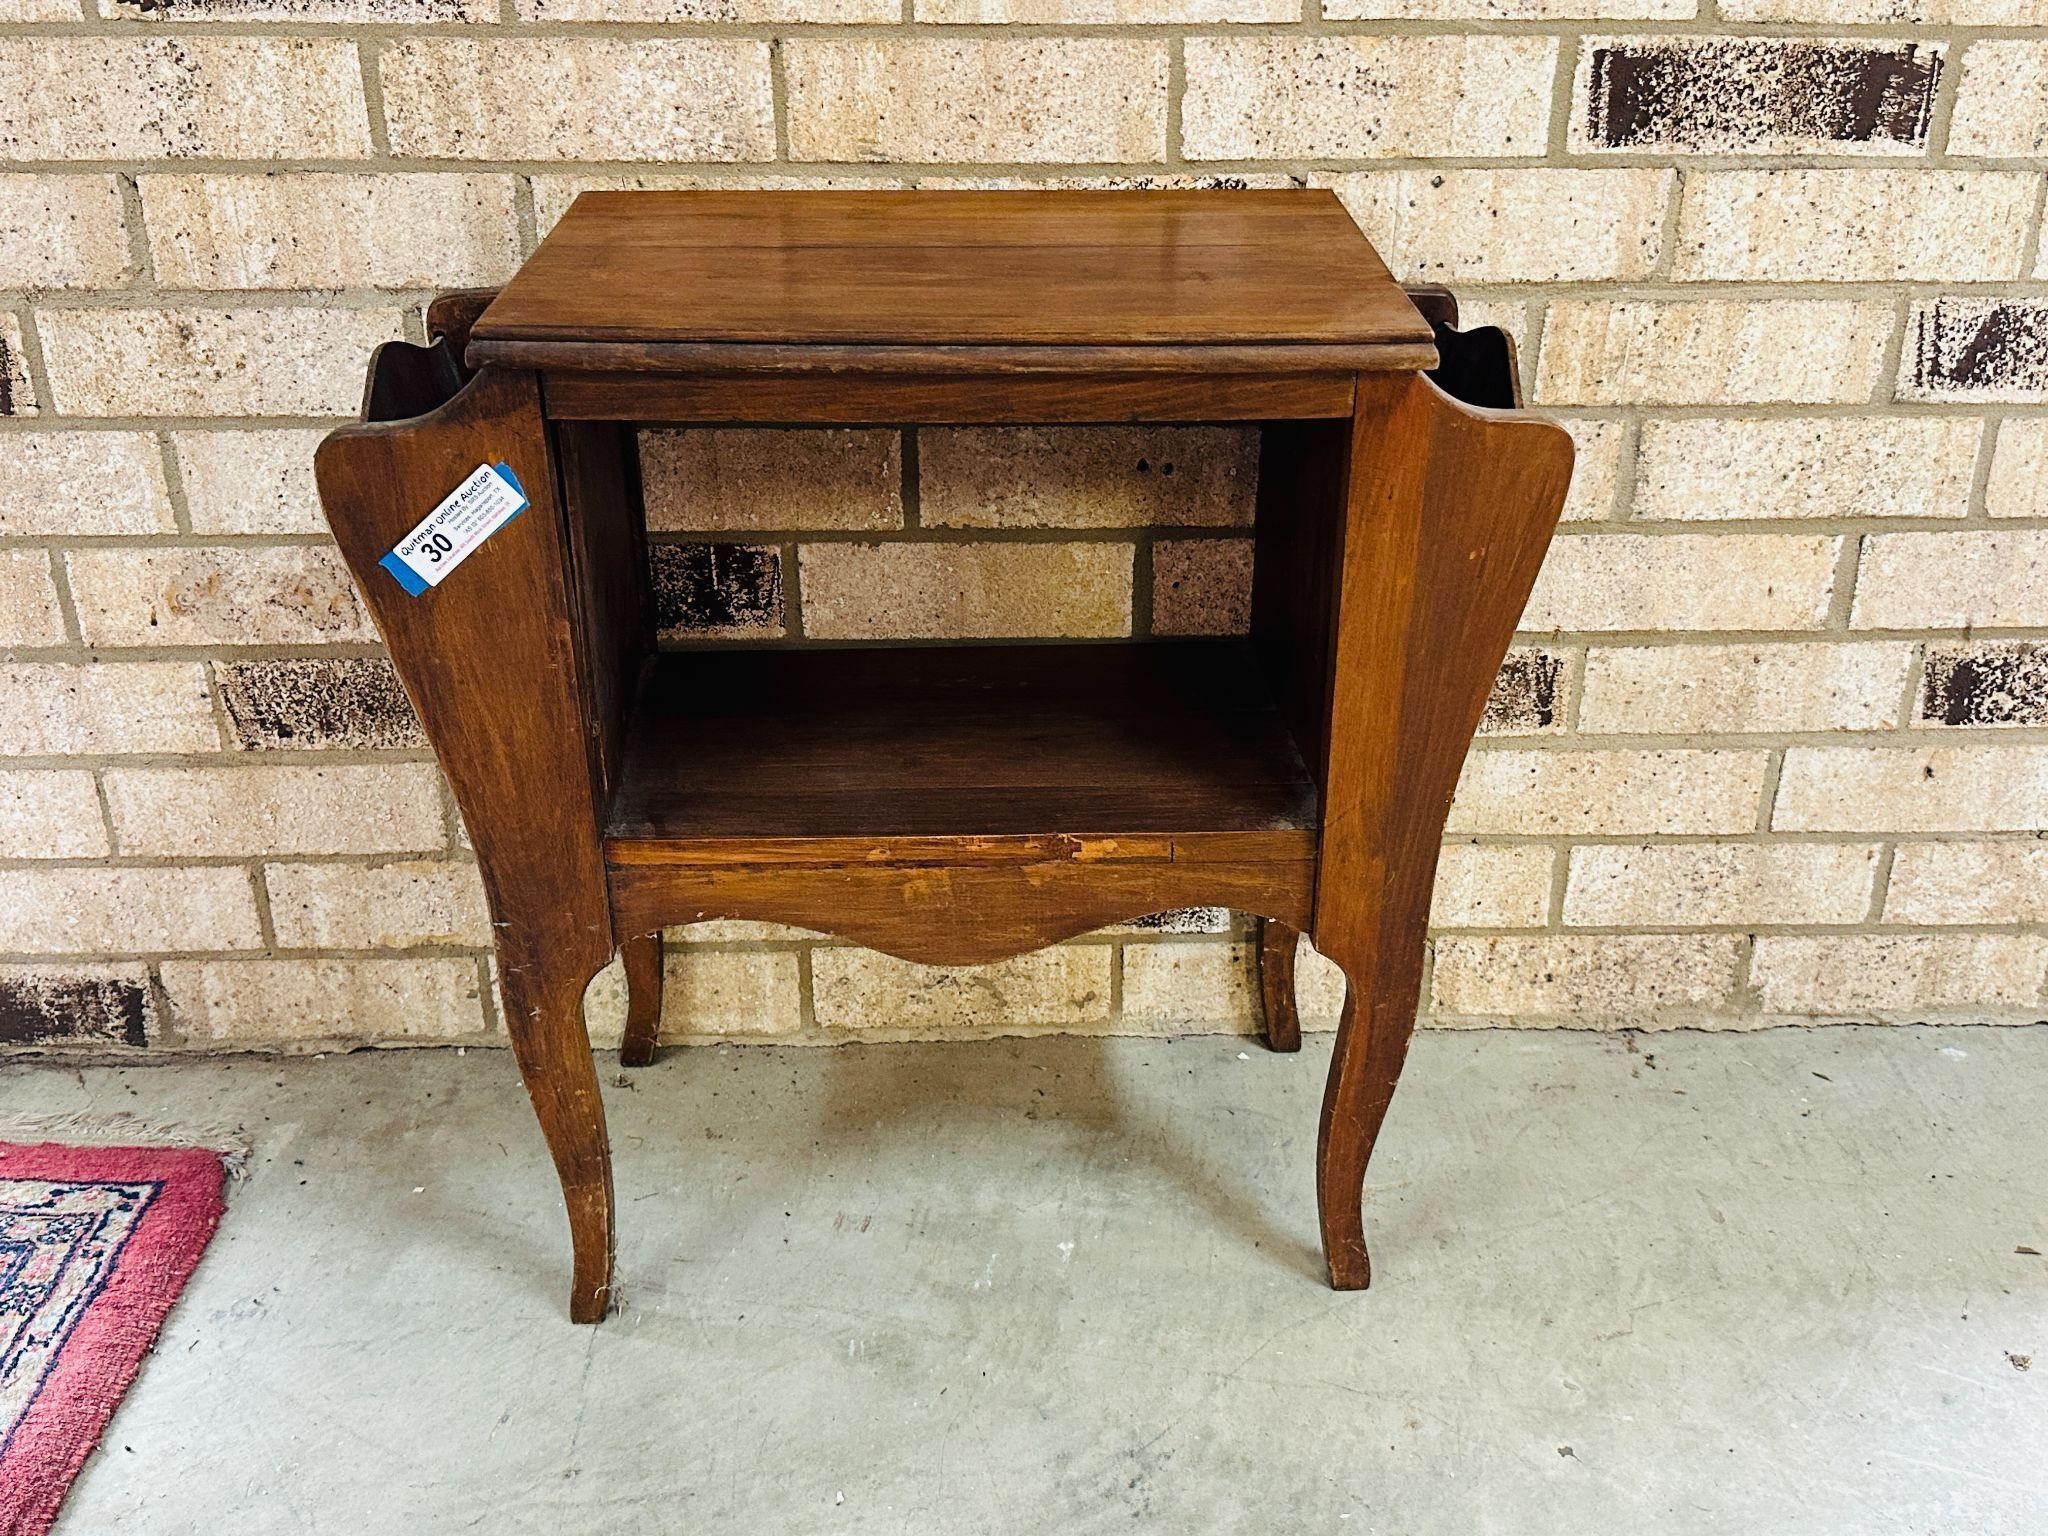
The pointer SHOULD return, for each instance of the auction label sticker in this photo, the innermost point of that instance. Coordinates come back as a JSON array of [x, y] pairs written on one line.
[[449, 535]]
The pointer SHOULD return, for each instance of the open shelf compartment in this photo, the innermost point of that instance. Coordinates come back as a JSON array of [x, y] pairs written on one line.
[[1156, 750]]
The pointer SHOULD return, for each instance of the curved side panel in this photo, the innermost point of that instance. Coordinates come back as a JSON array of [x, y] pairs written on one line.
[[487, 657], [489, 661], [1452, 508]]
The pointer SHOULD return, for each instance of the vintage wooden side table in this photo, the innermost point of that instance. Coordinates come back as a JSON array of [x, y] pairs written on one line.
[[957, 804]]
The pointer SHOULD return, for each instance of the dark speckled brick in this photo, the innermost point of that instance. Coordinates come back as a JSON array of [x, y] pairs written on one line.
[[48, 1007], [1524, 697], [1977, 349], [1758, 95], [2001, 683], [708, 590], [305, 703]]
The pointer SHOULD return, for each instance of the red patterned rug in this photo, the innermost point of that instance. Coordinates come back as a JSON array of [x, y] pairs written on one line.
[[95, 1245]]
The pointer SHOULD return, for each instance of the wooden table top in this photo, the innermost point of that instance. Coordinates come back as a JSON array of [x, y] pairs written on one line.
[[1256, 281]]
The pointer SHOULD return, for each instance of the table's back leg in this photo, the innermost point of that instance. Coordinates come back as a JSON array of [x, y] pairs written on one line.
[[1450, 511], [1275, 959], [490, 663], [642, 960]]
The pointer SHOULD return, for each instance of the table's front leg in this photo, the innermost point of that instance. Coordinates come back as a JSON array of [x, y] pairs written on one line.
[[489, 660], [1449, 512]]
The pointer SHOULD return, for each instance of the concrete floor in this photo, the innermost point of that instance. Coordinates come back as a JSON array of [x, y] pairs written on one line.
[[1752, 1283]]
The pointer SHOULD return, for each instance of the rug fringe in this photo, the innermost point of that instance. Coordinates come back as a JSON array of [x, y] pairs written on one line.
[[119, 1128]]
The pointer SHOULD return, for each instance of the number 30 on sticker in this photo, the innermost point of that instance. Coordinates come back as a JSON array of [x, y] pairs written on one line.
[[485, 502]]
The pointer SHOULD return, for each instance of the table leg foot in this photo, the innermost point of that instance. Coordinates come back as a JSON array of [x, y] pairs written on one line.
[[1275, 959], [642, 958], [1372, 1042], [544, 1016]]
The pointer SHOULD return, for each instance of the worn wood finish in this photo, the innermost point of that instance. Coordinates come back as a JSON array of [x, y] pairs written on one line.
[[1104, 745], [867, 399], [939, 277], [641, 958], [1275, 959], [958, 913], [1449, 513], [490, 662], [955, 805]]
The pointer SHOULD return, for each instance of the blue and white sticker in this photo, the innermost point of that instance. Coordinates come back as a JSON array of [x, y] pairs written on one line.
[[450, 534]]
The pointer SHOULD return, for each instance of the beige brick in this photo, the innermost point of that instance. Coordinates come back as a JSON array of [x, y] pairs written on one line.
[[1201, 987], [1936, 883], [741, 479], [211, 362], [730, 994], [147, 98], [39, 10], [2019, 469], [1053, 989], [17, 392], [1509, 10], [1480, 885], [289, 595], [309, 1002], [966, 99], [250, 482], [232, 812], [62, 232], [1596, 471], [1511, 226], [1201, 586], [1913, 789], [1087, 477], [1887, 13], [1251, 98], [50, 816], [126, 911], [2002, 103], [552, 195], [1991, 580], [385, 12], [389, 906], [1684, 581], [1581, 979], [1898, 977], [1718, 885], [1608, 793], [1711, 351], [64, 483], [560, 98], [330, 231], [1680, 690], [1091, 13], [1828, 466], [952, 591], [1853, 226], [1319, 988], [746, 12], [29, 614], [57, 708]]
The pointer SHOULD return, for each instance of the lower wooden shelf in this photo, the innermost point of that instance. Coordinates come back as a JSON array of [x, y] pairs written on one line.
[[1154, 751]]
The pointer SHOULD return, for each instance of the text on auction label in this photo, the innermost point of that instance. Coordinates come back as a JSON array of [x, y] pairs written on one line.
[[448, 535]]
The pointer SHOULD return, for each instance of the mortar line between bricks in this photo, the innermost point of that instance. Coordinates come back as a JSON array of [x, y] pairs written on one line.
[[185, 30], [897, 173]]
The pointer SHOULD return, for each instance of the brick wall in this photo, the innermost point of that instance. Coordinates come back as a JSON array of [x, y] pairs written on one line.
[[1773, 744]]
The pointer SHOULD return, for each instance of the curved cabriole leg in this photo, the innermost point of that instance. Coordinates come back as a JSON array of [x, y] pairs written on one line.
[[1275, 952], [1451, 509], [489, 662], [544, 1016], [642, 959]]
